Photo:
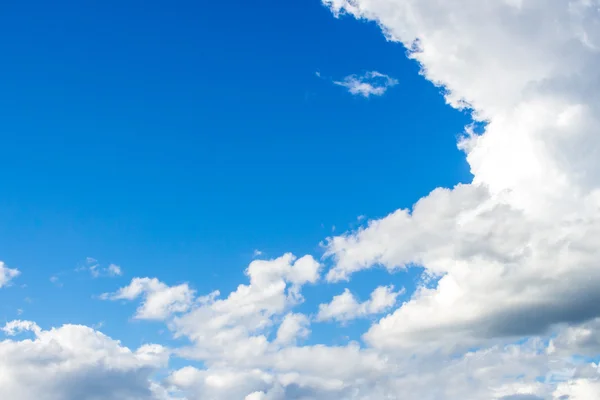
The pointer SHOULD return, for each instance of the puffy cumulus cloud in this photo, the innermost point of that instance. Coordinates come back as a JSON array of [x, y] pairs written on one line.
[[520, 371], [345, 307], [83, 363], [160, 300], [287, 267], [309, 372], [293, 327], [15, 327], [514, 250], [371, 83], [501, 272], [580, 389], [221, 382], [236, 327], [256, 396], [76, 362], [7, 274]]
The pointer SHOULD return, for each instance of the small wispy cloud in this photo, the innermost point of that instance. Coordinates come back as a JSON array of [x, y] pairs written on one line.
[[56, 281], [97, 271], [114, 270], [7, 274], [98, 325], [370, 83], [257, 253]]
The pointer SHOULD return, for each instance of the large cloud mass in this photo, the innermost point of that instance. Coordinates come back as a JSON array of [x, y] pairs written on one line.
[[515, 250]]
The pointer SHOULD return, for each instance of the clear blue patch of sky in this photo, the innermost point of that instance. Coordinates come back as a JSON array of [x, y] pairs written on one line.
[[175, 138]]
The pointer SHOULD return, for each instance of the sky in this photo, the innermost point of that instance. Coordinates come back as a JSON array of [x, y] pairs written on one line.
[[367, 199]]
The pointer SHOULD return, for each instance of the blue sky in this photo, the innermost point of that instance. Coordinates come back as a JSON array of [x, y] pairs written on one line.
[[175, 139], [276, 200]]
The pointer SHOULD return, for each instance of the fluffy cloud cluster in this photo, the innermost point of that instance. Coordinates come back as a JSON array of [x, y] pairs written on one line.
[[235, 328], [76, 363]]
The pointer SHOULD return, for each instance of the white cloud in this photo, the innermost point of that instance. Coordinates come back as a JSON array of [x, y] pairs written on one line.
[[368, 84], [160, 300], [221, 382], [510, 259], [114, 270], [514, 250], [76, 363], [293, 327], [96, 270], [580, 389], [242, 363], [234, 327], [345, 307], [512, 372], [7, 274], [12, 328]]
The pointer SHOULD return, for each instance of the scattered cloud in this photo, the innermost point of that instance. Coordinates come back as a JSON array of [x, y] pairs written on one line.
[[368, 84], [257, 253], [114, 270], [7, 274], [160, 300], [76, 362], [13, 328], [234, 327], [97, 271]]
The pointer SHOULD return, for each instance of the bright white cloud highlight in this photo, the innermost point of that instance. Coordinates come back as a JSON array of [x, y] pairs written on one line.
[[514, 250], [160, 300], [368, 84], [293, 327], [13, 328], [345, 306], [234, 328], [76, 363]]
